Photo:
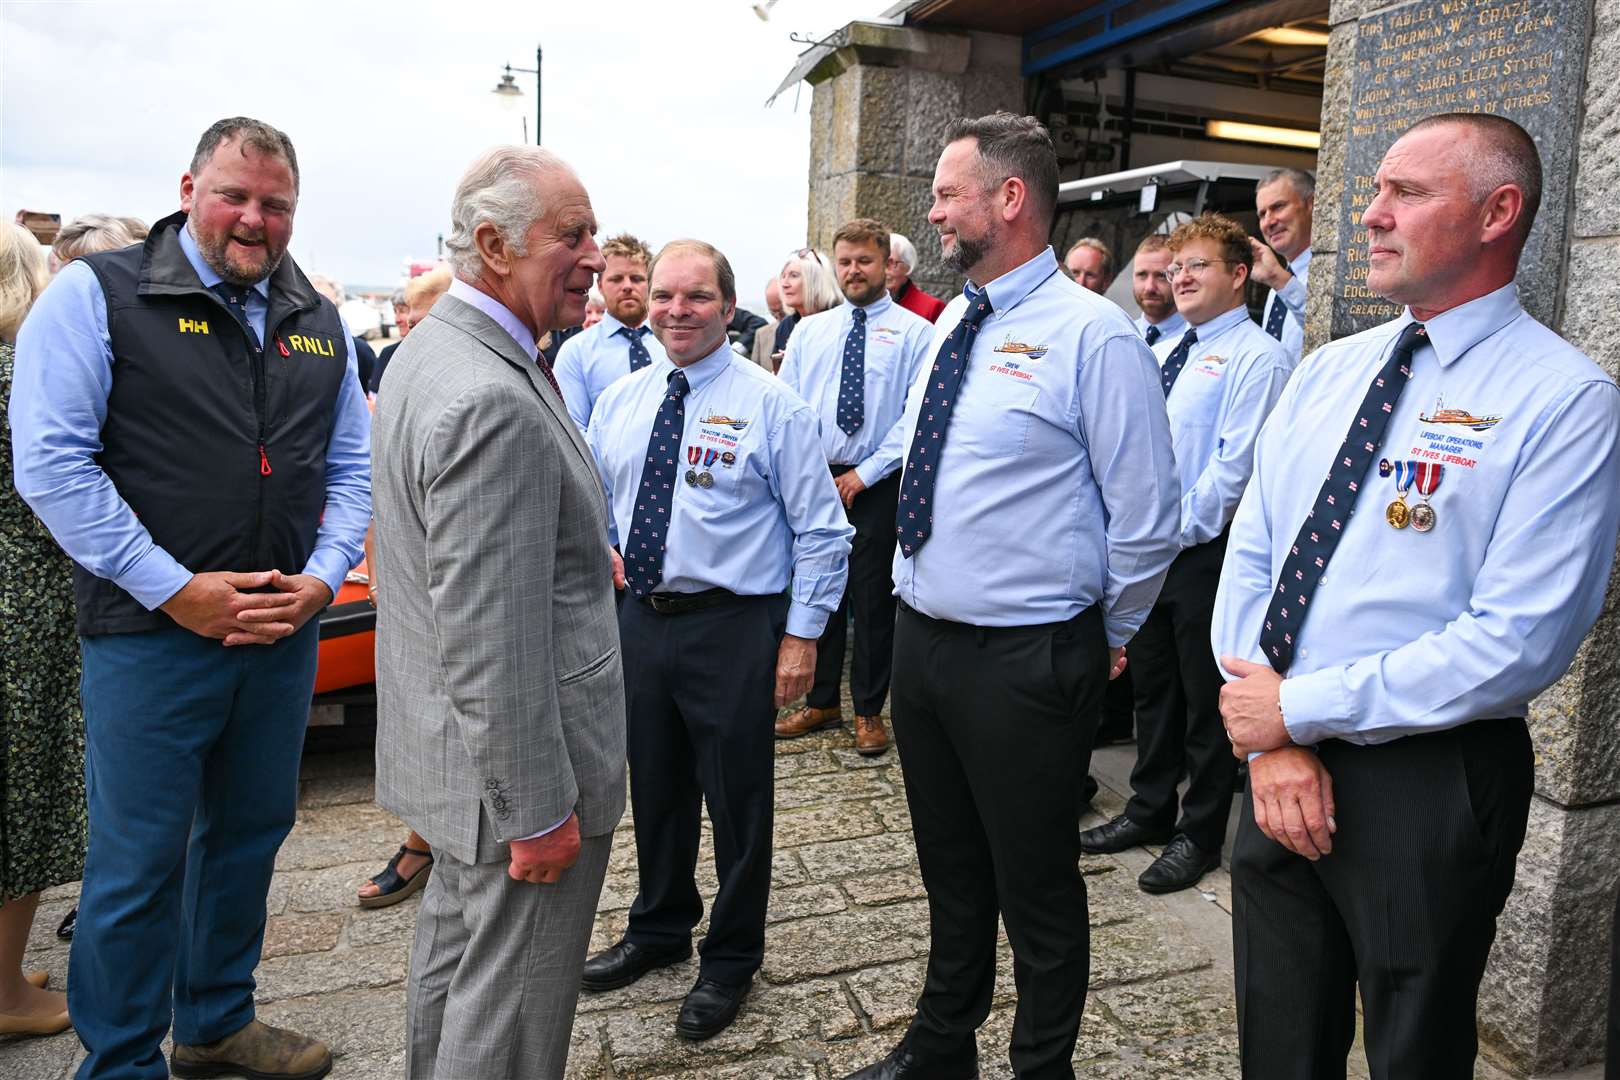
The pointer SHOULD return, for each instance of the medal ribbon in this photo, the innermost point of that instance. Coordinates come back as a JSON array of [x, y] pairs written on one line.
[[694, 454], [1405, 473], [1428, 477], [710, 457]]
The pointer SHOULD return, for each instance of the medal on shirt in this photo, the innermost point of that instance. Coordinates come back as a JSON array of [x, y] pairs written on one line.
[[1397, 513], [694, 454], [1428, 479], [705, 479]]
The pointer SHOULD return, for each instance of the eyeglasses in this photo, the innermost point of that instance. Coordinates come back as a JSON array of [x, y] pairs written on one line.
[[1195, 267], [809, 253]]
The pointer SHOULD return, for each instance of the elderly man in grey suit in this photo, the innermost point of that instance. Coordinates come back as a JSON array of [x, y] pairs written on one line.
[[501, 720]]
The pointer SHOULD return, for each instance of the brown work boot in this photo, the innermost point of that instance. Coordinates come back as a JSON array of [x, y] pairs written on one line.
[[257, 1051], [870, 737], [807, 720]]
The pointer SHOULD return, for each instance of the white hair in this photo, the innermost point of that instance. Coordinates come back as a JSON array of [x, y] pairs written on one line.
[[902, 251], [820, 285], [328, 287], [498, 188], [595, 297]]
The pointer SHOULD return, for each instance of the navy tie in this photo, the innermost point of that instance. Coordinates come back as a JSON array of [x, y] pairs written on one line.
[[1324, 524], [235, 297], [914, 521], [643, 549], [639, 356], [1153, 334], [852, 380], [1276, 316], [1177, 359]]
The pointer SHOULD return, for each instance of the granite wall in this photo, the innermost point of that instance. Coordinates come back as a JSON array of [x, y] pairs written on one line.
[[880, 106]]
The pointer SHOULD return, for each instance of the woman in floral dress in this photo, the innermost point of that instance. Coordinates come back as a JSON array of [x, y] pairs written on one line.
[[42, 806]]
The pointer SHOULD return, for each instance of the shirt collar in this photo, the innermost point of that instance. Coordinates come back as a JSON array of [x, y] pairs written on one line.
[[873, 310], [1170, 325], [611, 326], [498, 311], [1298, 263], [1207, 331], [205, 273], [1008, 290], [702, 372], [1453, 332]]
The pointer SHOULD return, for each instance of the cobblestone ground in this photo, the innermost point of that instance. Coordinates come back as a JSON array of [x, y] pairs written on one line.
[[843, 961]]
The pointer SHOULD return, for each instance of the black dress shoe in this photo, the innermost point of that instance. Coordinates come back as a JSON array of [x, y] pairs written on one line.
[[901, 1064], [1121, 834], [626, 962], [709, 1009], [1180, 867]]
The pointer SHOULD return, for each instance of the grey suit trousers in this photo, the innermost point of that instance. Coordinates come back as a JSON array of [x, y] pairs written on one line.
[[495, 968]]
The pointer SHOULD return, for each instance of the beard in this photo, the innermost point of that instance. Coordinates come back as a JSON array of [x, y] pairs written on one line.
[[215, 251], [631, 312], [967, 253], [864, 292], [1157, 310]]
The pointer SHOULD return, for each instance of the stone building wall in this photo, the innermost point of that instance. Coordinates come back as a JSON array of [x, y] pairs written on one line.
[[880, 106], [1546, 987]]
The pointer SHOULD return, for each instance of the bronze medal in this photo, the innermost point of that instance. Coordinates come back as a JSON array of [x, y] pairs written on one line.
[[1397, 513], [705, 479]]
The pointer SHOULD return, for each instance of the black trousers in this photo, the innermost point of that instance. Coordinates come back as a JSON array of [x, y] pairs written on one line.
[[869, 597], [1429, 828], [700, 693], [994, 728], [1178, 706]]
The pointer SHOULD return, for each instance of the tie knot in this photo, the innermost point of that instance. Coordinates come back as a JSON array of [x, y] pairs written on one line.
[[979, 310], [633, 332], [1191, 338], [232, 294], [1414, 335], [678, 386], [859, 315]]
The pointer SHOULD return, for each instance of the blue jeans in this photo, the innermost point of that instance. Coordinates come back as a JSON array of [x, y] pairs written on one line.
[[191, 768]]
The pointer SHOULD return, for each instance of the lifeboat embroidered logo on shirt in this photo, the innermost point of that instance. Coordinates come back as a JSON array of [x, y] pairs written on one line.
[[1030, 352], [724, 421]]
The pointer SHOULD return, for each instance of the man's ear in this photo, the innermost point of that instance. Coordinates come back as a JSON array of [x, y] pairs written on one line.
[[492, 248], [188, 193], [1013, 195]]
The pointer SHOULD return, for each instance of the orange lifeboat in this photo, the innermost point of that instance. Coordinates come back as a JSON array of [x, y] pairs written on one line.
[[348, 638]]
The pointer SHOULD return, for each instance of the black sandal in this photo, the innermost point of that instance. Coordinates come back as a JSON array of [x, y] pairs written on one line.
[[395, 888]]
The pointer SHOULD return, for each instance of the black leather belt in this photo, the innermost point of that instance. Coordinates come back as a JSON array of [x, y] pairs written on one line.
[[686, 603]]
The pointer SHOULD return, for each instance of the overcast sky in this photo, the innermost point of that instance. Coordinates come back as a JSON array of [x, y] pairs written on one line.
[[659, 105]]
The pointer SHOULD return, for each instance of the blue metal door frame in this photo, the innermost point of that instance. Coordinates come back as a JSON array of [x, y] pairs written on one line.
[[1112, 30]]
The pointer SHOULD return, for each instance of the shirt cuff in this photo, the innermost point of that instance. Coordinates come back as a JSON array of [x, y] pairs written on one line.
[[327, 564], [870, 472], [1293, 295], [1315, 707], [154, 578], [546, 832], [805, 621]]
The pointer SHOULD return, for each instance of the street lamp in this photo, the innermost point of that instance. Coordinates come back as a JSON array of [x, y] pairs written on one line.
[[509, 92]]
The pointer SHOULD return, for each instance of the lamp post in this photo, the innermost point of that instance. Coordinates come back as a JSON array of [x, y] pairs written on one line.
[[509, 92]]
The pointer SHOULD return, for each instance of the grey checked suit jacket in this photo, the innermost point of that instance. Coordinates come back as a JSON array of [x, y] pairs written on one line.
[[500, 695]]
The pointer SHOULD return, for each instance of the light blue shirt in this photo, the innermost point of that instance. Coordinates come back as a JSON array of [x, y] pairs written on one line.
[[592, 360], [897, 344], [64, 374], [1057, 486], [1292, 297], [1412, 632], [1233, 376], [1170, 332], [773, 514]]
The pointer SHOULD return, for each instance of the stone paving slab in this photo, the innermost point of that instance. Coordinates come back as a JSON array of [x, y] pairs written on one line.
[[845, 946]]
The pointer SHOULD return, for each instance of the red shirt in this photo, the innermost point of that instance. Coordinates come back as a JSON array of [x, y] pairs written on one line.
[[914, 299]]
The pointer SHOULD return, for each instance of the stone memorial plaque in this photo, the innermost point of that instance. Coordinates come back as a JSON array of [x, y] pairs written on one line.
[[1523, 59]]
